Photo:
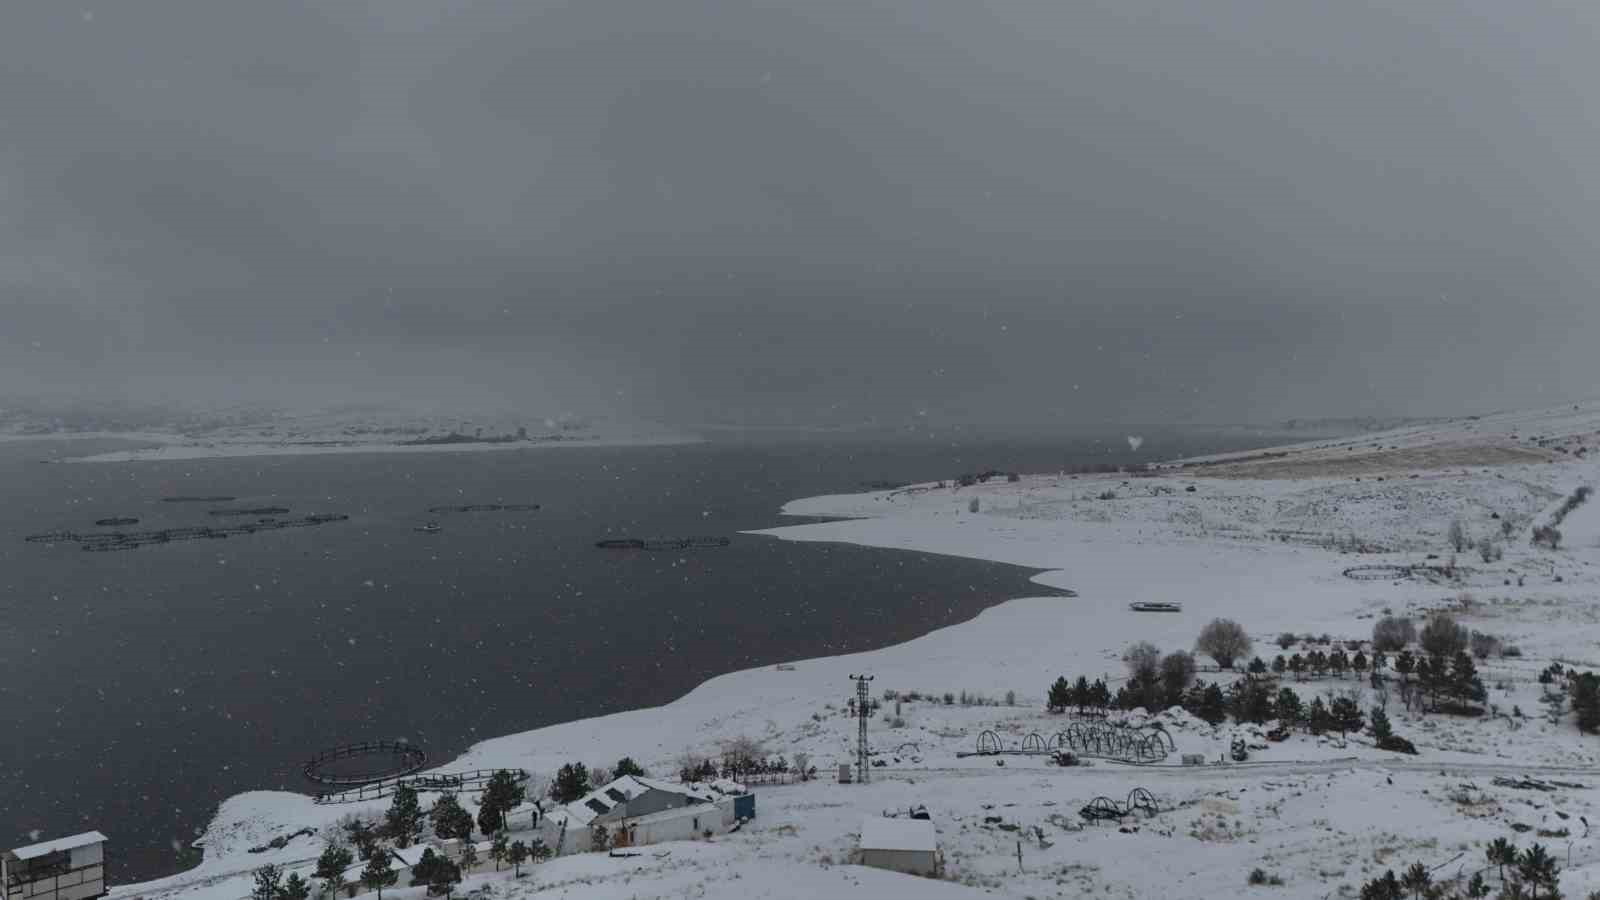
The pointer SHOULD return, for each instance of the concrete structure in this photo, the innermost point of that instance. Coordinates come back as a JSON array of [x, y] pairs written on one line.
[[69, 868], [899, 845]]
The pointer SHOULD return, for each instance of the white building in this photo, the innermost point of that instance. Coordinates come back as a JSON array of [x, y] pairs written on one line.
[[900, 845], [637, 811], [69, 868]]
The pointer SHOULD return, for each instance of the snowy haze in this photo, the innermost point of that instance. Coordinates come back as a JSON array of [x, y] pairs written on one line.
[[803, 213]]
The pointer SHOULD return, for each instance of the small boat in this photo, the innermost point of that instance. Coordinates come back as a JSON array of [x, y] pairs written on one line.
[[1155, 606], [429, 528]]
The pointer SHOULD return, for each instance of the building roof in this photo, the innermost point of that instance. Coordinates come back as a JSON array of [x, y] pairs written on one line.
[[603, 799], [33, 851], [879, 833]]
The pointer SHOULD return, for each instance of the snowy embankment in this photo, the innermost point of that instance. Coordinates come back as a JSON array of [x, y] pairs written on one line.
[[1263, 539]]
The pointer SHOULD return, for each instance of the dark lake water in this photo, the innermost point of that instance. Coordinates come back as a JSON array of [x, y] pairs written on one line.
[[141, 688]]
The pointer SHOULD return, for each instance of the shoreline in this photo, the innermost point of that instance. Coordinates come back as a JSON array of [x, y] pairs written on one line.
[[169, 449]]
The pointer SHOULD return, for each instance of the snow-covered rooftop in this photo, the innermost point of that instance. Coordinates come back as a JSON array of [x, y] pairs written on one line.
[[879, 833], [45, 848]]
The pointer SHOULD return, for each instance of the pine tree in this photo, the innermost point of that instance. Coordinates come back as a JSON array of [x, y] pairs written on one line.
[[1538, 869], [1501, 853], [1585, 691], [268, 883], [1317, 715], [1279, 665], [331, 864], [444, 878], [1257, 666], [518, 853], [1317, 662], [1358, 663], [1289, 709], [377, 875], [1465, 686], [295, 888], [1477, 888], [1381, 730], [403, 819], [1338, 662], [500, 848], [1416, 880], [1404, 665], [1345, 715], [571, 782], [1102, 695], [1213, 705], [502, 794], [1384, 887], [449, 820], [1059, 697], [1082, 695], [1297, 664]]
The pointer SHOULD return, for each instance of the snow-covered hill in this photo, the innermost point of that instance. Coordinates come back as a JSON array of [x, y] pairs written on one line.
[[1262, 538]]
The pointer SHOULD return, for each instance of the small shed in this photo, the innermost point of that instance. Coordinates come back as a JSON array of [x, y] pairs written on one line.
[[69, 868], [899, 845]]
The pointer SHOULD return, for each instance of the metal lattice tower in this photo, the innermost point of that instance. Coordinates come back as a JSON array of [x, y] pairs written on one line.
[[863, 710]]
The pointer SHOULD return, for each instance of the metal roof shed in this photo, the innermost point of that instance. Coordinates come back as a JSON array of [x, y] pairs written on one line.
[[900, 845]]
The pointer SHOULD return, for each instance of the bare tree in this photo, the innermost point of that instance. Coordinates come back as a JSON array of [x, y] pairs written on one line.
[[1224, 640], [1392, 633], [1144, 662], [1457, 535]]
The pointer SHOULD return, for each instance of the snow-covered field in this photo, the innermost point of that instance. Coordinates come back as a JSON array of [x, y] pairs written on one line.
[[1263, 538]]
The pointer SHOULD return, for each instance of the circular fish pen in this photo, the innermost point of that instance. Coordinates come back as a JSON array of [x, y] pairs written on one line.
[[1378, 573], [364, 763]]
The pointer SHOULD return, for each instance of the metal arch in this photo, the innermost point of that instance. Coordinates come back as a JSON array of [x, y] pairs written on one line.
[[1114, 741], [1033, 743], [989, 742], [912, 744], [1105, 809]]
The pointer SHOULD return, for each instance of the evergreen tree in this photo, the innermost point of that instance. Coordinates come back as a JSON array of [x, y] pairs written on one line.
[[1427, 680], [1213, 705], [363, 837], [1358, 663], [1338, 662], [1279, 665], [1477, 888], [1384, 887], [518, 854], [268, 883], [1465, 685], [331, 864], [295, 888], [403, 820], [1251, 701], [427, 865], [500, 848], [1501, 853], [1345, 715], [377, 875], [1059, 697], [1585, 691], [1289, 710], [449, 820], [444, 878], [1102, 695], [571, 782], [1083, 694], [1317, 715], [1317, 662], [1381, 731], [502, 794], [1257, 666], [1538, 869], [1404, 665], [1416, 880], [1297, 664], [469, 856]]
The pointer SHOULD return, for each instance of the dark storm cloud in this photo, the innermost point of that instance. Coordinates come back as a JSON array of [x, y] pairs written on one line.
[[801, 212]]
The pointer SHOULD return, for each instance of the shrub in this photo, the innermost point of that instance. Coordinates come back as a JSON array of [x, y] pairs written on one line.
[[1224, 640], [1511, 651], [1260, 877], [1547, 536], [1287, 640], [1484, 645]]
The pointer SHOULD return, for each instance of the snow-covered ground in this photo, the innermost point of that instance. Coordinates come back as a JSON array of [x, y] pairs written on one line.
[[1263, 538]]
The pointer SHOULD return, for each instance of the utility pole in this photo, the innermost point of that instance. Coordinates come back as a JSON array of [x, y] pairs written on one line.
[[863, 710]]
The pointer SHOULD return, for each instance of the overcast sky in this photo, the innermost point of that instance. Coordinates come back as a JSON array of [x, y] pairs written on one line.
[[816, 211]]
